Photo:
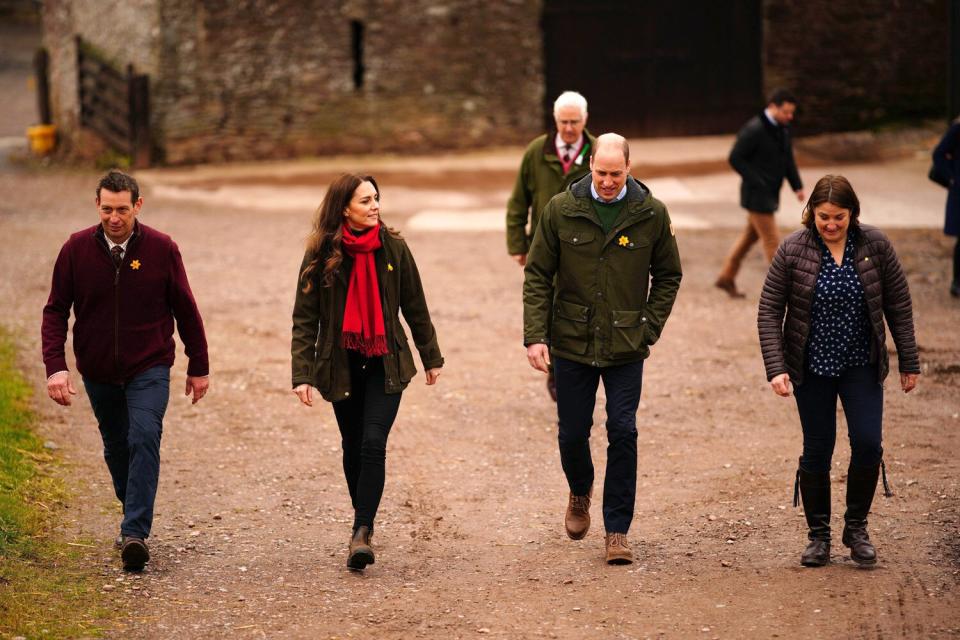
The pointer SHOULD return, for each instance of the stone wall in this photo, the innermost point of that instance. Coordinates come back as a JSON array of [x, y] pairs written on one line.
[[856, 64], [123, 31], [266, 79], [253, 79]]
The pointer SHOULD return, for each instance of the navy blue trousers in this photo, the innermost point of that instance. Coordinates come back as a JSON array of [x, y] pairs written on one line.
[[130, 417], [862, 399], [576, 397], [365, 419]]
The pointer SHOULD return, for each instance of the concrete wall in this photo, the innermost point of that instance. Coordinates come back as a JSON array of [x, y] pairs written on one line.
[[856, 64]]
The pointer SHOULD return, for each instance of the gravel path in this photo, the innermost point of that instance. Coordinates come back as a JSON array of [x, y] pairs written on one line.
[[253, 515]]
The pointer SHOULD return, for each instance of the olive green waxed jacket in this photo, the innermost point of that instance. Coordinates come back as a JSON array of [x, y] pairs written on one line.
[[613, 292], [318, 357], [539, 179]]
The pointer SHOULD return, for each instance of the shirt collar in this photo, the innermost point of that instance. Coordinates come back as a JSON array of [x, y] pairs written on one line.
[[123, 245], [560, 144], [596, 196], [770, 118]]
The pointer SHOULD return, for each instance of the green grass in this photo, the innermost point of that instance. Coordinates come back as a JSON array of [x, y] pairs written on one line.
[[47, 588]]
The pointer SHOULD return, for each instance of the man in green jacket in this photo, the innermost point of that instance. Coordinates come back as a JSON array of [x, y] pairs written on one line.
[[600, 281], [551, 163]]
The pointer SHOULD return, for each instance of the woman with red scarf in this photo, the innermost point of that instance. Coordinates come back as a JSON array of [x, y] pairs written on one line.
[[348, 343]]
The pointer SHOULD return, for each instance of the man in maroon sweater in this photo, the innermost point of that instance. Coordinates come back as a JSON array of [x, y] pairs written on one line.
[[126, 284]]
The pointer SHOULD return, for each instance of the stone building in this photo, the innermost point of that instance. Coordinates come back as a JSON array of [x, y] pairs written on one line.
[[253, 79]]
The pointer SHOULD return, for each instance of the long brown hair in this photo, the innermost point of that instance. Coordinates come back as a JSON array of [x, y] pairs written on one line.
[[327, 231], [836, 190]]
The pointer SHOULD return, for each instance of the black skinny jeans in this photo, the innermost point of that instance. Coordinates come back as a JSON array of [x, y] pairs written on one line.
[[862, 399], [365, 419]]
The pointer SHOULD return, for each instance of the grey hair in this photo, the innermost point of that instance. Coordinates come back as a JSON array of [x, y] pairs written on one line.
[[570, 99]]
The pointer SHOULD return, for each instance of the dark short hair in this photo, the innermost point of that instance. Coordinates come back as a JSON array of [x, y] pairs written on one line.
[[779, 96], [836, 190], [117, 181]]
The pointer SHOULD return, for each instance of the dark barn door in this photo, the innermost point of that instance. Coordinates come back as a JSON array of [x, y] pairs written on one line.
[[656, 67]]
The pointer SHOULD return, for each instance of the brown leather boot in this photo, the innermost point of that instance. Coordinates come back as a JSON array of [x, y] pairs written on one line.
[[361, 553], [728, 285], [618, 551], [577, 519]]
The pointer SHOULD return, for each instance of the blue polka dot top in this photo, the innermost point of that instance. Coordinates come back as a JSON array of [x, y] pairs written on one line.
[[839, 324]]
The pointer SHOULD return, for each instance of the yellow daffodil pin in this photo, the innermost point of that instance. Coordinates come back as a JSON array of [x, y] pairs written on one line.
[[389, 267], [624, 241], [135, 264]]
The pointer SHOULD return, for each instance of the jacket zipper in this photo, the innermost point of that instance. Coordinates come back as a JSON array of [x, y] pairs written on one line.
[[116, 321]]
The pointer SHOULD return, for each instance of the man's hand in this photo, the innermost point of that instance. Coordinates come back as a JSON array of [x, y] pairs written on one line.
[[60, 388], [908, 381], [538, 355], [305, 393], [198, 385], [432, 375], [520, 259], [801, 196], [781, 385]]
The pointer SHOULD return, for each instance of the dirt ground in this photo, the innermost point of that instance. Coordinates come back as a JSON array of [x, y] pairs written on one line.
[[253, 515]]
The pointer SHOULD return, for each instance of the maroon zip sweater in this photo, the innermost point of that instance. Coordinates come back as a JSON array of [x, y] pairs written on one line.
[[123, 317]]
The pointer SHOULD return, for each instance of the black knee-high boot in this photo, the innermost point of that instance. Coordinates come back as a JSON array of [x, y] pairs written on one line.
[[861, 486], [815, 490]]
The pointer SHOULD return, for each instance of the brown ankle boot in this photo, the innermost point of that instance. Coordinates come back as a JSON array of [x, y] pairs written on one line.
[[618, 551], [577, 519], [361, 553]]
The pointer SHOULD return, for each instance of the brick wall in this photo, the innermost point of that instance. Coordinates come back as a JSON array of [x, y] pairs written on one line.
[[855, 64]]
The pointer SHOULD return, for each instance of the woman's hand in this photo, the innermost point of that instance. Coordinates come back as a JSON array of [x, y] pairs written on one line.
[[432, 375], [908, 381], [305, 393], [781, 385]]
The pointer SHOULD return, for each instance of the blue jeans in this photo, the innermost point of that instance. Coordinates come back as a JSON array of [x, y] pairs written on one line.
[[130, 417], [862, 399], [576, 396]]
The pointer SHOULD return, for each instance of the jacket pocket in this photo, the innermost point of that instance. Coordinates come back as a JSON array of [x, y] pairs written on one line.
[[406, 369], [323, 367], [576, 238], [627, 331], [569, 330]]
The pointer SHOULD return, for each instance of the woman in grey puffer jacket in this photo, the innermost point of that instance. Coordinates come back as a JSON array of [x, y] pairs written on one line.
[[821, 324]]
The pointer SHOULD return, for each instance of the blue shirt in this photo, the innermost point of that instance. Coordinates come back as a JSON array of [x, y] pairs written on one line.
[[839, 322]]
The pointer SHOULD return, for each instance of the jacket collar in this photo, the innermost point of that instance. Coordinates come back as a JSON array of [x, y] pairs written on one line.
[[100, 237], [636, 190]]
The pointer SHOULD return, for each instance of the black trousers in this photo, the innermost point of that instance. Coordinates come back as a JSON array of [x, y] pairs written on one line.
[[576, 396], [365, 419], [862, 399]]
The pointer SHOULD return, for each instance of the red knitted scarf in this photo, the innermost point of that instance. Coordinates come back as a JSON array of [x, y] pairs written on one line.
[[363, 326]]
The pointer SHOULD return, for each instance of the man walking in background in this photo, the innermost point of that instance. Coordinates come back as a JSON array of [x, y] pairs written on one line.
[[602, 275], [126, 285], [551, 163], [763, 156]]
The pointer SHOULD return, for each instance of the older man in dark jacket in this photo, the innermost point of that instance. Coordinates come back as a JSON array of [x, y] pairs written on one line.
[[763, 156], [602, 276]]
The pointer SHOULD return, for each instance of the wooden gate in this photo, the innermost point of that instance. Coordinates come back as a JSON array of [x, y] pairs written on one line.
[[114, 104], [656, 67]]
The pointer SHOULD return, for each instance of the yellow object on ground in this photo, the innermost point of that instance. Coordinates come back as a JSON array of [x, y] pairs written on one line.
[[43, 138]]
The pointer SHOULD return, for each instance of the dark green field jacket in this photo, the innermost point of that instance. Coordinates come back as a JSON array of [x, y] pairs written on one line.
[[540, 178], [319, 358], [613, 291]]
